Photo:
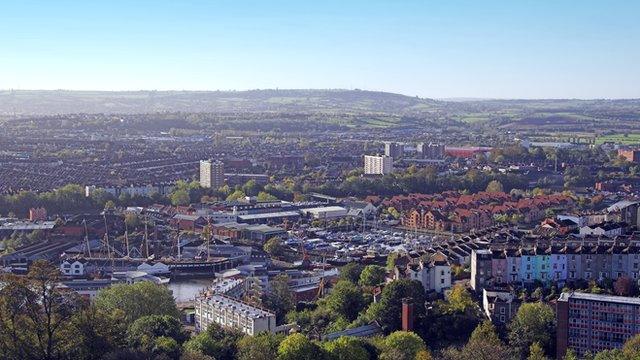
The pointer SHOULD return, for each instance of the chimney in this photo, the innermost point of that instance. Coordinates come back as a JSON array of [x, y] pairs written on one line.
[[407, 314]]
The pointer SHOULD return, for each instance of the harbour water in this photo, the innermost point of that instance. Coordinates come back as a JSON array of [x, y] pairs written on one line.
[[186, 289]]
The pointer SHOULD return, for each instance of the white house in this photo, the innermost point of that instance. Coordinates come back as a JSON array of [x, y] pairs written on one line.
[[73, 267], [608, 229]]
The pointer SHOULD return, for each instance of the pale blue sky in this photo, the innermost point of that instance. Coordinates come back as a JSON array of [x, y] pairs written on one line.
[[444, 48]]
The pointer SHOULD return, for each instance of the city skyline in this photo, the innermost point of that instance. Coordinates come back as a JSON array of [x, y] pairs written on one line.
[[462, 49]]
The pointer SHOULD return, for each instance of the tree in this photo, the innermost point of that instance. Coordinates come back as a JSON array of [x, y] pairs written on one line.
[[109, 205], [623, 286], [274, 246], [351, 272], [631, 348], [483, 344], [190, 355], [372, 275], [345, 300], [298, 347], [137, 300], [215, 341], [401, 345], [614, 354], [236, 195], [265, 196], [180, 197], [144, 331], [570, 355], [391, 260], [346, 348], [536, 352], [263, 346], [459, 299], [393, 212], [279, 298], [164, 346], [387, 311], [534, 322], [494, 186], [132, 220], [96, 333], [201, 344], [251, 188], [35, 314]]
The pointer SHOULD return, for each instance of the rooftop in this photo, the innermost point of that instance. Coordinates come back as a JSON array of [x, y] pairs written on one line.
[[565, 296], [237, 306], [269, 215]]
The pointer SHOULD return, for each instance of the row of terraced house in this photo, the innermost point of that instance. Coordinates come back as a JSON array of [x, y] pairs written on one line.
[[555, 263], [452, 211]]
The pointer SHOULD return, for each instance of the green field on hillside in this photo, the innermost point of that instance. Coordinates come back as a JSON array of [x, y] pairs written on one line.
[[625, 139]]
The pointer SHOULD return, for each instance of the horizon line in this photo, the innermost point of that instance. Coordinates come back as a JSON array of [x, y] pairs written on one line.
[[449, 99]]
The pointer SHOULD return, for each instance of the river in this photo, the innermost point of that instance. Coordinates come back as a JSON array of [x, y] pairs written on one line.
[[187, 289]]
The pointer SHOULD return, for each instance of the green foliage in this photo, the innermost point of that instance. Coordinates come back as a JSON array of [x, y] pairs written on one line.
[[372, 275], [201, 344], [536, 352], [144, 331], [274, 246], [345, 299], [95, 333], [316, 322], [483, 343], [219, 343], [68, 198], [351, 272], [279, 298], [494, 186], [387, 311], [265, 196], [132, 220], [631, 348], [401, 345], [570, 355], [180, 197], [459, 300], [263, 346], [299, 347], [346, 348], [391, 260], [165, 346], [236, 195], [137, 300], [35, 314], [534, 322], [251, 188], [190, 355], [614, 354]]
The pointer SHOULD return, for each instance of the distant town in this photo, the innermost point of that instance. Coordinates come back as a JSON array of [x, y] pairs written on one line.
[[389, 232]]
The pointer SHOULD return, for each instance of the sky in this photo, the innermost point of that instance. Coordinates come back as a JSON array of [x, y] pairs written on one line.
[[434, 49]]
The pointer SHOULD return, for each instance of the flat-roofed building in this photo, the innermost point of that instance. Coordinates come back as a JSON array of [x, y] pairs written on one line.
[[211, 174], [592, 322], [326, 212], [233, 314]]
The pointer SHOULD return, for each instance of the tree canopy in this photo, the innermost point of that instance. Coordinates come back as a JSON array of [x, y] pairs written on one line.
[[137, 300]]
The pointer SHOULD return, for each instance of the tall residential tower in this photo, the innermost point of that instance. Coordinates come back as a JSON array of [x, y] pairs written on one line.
[[211, 174]]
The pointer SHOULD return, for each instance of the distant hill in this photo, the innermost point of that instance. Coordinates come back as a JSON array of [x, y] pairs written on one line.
[[54, 102], [320, 109]]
